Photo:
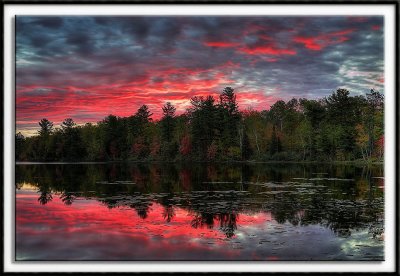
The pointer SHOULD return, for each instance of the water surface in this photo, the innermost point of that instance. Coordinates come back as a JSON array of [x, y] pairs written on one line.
[[181, 212]]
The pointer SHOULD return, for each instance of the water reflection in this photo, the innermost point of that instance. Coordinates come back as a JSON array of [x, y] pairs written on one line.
[[221, 212]]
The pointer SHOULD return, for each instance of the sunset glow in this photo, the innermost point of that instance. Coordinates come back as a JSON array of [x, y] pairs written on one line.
[[87, 222], [86, 68]]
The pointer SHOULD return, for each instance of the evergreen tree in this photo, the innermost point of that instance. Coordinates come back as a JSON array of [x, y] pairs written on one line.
[[46, 127], [344, 112], [67, 124], [338, 127], [43, 150], [203, 120], [143, 114], [167, 121], [139, 132], [229, 117], [372, 121]]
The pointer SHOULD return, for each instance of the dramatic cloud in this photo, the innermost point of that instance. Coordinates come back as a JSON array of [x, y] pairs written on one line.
[[267, 50], [89, 67], [221, 44], [319, 42]]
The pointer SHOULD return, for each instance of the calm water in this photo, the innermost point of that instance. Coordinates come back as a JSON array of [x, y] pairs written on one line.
[[199, 212]]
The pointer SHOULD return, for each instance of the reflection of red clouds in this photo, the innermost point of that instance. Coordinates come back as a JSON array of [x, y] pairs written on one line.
[[91, 216], [319, 42], [89, 230]]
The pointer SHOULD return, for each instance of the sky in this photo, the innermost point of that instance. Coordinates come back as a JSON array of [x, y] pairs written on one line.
[[86, 68]]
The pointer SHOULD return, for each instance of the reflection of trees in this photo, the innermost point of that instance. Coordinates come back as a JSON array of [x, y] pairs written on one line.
[[297, 218], [228, 223], [206, 208], [139, 202], [339, 205], [168, 213], [142, 211], [110, 202], [67, 198], [376, 229], [284, 207], [203, 219], [342, 215], [141, 176], [45, 196], [142, 208], [69, 180]]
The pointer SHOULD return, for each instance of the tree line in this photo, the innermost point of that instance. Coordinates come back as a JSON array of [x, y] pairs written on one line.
[[335, 128]]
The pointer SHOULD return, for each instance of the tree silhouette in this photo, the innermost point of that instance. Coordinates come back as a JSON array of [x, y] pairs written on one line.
[[228, 223], [19, 146], [68, 124], [168, 213], [144, 114], [337, 127], [45, 196], [46, 127], [167, 121]]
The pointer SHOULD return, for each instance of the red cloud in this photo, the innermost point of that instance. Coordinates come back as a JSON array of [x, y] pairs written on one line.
[[254, 28], [376, 28], [309, 43], [92, 104], [319, 42], [98, 102], [267, 50], [357, 19], [255, 100], [220, 44]]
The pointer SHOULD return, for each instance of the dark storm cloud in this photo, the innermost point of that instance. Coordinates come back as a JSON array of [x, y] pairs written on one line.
[[82, 42], [136, 60], [49, 22]]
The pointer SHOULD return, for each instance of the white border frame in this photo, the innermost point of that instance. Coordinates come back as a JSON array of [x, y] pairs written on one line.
[[386, 10]]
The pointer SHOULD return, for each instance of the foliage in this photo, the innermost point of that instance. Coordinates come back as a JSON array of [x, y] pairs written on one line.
[[337, 127]]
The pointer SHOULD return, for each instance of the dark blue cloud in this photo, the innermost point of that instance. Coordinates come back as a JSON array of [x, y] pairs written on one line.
[[281, 57]]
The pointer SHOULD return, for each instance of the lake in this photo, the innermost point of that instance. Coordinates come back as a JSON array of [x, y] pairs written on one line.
[[199, 211]]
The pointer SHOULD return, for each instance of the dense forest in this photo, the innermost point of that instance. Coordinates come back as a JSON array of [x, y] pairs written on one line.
[[335, 128]]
